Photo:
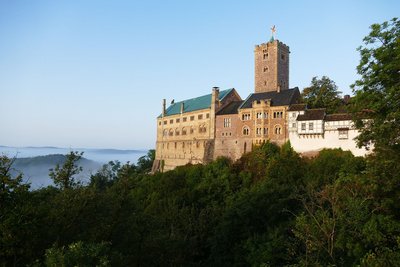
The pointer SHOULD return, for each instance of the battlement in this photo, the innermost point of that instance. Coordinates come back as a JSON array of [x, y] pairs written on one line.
[[271, 44]]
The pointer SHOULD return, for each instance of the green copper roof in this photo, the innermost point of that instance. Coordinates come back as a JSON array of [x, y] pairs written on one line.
[[201, 102]]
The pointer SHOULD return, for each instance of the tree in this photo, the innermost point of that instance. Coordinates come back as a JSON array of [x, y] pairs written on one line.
[[378, 89], [145, 163], [322, 93], [78, 254], [64, 176]]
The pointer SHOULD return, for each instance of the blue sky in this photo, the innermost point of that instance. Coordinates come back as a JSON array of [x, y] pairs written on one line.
[[93, 73]]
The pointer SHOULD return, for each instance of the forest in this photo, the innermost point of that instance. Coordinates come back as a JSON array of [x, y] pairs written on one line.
[[272, 207]]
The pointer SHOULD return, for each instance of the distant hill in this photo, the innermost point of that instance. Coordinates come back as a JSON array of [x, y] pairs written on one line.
[[36, 169]]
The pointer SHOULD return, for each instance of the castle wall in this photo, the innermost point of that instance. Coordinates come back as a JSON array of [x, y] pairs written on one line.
[[337, 134], [265, 123], [184, 138], [228, 137]]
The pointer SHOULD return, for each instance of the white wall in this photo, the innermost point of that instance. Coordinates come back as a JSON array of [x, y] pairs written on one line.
[[329, 139]]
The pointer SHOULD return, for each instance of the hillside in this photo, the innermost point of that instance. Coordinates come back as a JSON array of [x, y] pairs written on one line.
[[36, 169]]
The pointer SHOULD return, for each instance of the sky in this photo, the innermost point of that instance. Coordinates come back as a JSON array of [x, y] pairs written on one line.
[[93, 73]]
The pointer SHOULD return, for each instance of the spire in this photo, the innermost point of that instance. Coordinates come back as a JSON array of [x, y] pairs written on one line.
[[273, 31]]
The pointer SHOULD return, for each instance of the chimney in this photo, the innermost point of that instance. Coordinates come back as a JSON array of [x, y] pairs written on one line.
[[163, 107], [182, 107], [215, 95], [213, 110]]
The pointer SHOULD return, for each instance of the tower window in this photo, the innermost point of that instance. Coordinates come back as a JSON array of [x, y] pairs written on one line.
[[265, 82], [283, 57]]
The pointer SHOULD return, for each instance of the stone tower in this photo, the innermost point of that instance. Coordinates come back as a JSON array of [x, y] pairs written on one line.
[[271, 66]]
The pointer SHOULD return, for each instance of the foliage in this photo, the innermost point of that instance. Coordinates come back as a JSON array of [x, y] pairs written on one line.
[[378, 89], [63, 176], [322, 93], [78, 254]]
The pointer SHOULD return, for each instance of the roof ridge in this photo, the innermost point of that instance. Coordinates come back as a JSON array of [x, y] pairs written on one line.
[[229, 89]]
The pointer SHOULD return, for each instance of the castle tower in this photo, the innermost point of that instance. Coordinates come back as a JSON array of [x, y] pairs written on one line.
[[271, 66]]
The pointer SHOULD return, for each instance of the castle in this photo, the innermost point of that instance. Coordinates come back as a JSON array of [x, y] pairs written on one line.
[[198, 130]]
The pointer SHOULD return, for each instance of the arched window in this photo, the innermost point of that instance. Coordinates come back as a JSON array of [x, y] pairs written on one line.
[[202, 128], [171, 132], [183, 131], [165, 132], [278, 130], [246, 130], [177, 131]]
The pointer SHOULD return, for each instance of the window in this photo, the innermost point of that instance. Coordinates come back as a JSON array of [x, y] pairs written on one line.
[[265, 115], [265, 131], [259, 115], [227, 122], [191, 118], [278, 114], [202, 129], [303, 126], [278, 130], [207, 115], [184, 119], [175, 145], [311, 126], [183, 131], [343, 133], [294, 114], [283, 57], [165, 133], [259, 131], [191, 130], [200, 116], [177, 120], [159, 123], [246, 130], [171, 132], [265, 69], [177, 132], [265, 82], [293, 125], [246, 116], [171, 121], [165, 122]]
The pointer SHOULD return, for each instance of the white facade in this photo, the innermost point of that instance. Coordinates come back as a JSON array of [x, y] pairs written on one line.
[[323, 134]]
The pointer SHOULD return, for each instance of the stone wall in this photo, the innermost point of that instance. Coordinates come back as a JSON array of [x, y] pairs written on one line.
[[271, 67], [185, 141]]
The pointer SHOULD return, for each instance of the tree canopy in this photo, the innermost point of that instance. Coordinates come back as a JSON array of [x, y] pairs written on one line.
[[322, 93], [377, 92]]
